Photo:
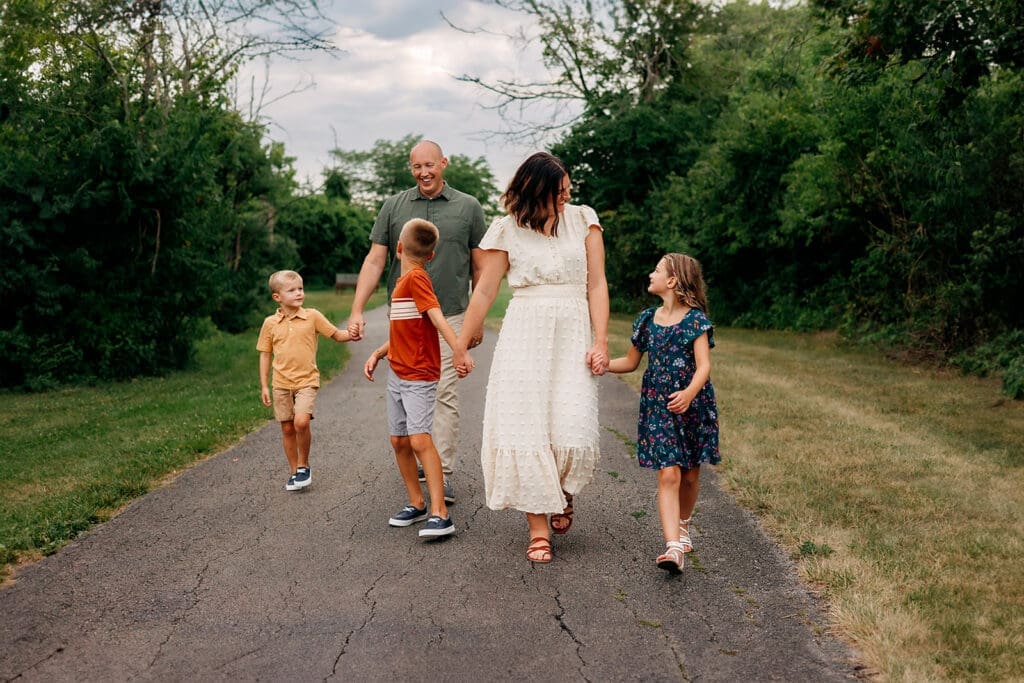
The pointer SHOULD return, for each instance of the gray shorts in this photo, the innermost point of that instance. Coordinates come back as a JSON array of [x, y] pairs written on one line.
[[410, 405]]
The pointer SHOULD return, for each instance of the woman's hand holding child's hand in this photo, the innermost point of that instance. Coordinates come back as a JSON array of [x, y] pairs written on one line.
[[597, 359], [462, 361]]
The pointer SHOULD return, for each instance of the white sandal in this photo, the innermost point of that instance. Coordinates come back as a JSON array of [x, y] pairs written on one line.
[[684, 534], [672, 559]]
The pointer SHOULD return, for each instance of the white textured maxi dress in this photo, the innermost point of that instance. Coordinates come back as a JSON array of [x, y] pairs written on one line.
[[540, 433]]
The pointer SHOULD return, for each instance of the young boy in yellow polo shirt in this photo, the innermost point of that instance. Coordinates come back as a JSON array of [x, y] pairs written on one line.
[[290, 335]]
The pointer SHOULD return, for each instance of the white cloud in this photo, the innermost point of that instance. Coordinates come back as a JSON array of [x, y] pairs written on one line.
[[398, 75]]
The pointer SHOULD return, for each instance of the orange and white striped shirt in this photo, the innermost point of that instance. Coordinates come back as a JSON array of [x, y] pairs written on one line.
[[414, 351]]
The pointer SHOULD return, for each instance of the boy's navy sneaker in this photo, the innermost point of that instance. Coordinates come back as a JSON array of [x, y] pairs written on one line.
[[419, 473], [436, 526], [409, 515], [291, 486], [302, 477]]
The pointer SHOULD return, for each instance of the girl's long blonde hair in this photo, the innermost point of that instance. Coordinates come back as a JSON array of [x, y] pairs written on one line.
[[690, 289]]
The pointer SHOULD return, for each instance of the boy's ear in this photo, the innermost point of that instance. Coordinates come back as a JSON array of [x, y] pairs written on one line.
[[398, 249], [431, 255], [276, 297]]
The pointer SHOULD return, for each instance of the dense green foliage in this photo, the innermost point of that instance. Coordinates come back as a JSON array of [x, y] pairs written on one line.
[[852, 164], [332, 235], [135, 201]]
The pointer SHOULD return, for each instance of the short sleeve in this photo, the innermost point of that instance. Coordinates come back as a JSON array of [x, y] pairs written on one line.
[[324, 326], [422, 290], [381, 225], [590, 217], [497, 236], [699, 325], [641, 338], [265, 342]]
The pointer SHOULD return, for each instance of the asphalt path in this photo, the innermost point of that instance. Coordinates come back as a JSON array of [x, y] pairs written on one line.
[[222, 574]]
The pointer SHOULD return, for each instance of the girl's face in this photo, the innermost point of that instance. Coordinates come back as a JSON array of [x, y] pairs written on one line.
[[661, 281]]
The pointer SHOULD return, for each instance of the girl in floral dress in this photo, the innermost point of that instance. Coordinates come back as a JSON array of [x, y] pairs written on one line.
[[678, 424]]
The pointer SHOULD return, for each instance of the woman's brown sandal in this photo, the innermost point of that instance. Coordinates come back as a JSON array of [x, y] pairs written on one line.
[[539, 550], [672, 559], [564, 518]]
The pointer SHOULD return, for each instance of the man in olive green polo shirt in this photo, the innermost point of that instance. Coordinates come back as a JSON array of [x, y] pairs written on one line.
[[456, 264]]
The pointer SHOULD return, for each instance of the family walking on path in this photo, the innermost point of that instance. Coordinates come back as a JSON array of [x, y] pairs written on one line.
[[540, 429], [541, 439], [217, 576]]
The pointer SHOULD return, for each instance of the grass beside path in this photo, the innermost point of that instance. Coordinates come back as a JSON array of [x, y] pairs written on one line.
[[72, 457], [898, 490]]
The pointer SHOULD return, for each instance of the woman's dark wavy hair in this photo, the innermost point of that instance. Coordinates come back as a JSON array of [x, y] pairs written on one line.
[[533, 189]]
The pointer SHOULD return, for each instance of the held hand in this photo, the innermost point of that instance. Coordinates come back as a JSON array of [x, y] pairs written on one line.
[[597, 358], [265, 396], [678, 402], [356, 326], [462, 362]]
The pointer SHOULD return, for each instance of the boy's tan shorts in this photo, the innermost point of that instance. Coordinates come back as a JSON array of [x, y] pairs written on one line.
[[289, 402]]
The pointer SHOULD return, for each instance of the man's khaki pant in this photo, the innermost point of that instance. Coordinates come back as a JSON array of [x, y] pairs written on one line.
[[446, 412]]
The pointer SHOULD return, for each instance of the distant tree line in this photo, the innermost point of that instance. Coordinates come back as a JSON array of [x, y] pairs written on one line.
[[844, 164]]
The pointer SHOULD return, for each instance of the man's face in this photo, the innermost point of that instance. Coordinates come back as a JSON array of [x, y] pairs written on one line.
[[427, 167]]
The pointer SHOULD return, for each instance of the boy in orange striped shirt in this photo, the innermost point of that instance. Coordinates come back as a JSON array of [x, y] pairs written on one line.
[[414, 355]]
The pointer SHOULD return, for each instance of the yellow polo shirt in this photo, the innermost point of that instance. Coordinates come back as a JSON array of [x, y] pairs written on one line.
[[292, 339]]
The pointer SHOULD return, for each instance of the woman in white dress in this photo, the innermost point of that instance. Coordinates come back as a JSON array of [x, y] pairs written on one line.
[[541, 438]]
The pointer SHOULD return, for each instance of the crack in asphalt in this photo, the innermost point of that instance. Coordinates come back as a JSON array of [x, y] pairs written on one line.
[[564, 625], [371, 611], [192, 594], [42, 660]]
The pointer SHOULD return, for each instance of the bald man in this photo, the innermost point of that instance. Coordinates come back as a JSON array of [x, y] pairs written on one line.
[[456, 264]]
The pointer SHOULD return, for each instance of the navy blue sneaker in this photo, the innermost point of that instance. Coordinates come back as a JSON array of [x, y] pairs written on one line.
[[302, 478], [436, 526], [409, 515], [290, 485], [419, 473], [449, 491]]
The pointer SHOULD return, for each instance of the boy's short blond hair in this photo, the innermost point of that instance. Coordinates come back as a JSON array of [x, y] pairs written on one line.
[[278, 279], [418, 238]]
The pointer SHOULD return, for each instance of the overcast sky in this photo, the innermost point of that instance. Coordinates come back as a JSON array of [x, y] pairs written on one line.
[[396, 75]]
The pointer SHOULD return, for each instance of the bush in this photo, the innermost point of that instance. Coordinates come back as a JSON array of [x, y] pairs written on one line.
[[1013, 378]]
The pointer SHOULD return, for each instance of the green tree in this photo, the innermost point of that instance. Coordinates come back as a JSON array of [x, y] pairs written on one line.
[[330, 233], [134, 200], [927, 144]]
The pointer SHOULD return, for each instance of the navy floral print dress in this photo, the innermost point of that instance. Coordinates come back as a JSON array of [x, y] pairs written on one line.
[[664, 438]]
